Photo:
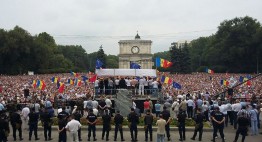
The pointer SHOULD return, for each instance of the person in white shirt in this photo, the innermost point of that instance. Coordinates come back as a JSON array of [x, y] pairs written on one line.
[[73, 126], [155, 86], [95, 103], [96, 86], [224, 108], [141, 86], [236, 108], [175, 108], [25, 118], [128, 84], [161, 131], [109, 104], [190, 106], [133, 104]]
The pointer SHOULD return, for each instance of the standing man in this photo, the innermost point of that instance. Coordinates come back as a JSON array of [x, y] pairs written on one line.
[[243, 123], [175, 108], [133, 119], [61, 129], [73, 127], [109, 104], [181, 118], [218, 123], [47, 122], [157, 108], [78, 116], [146, 106], [141, 83], [4, 128], [91, 120], [25, 118], [106, 125], [161, 123], [166, 115], [16, 124], [148, 120], [199, 118], [190, 106], [33, 122], [118, 125], [253, 117]]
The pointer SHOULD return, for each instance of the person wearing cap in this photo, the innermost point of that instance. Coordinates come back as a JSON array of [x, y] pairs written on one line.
[[16, 123], [118, 119], [91, 120], [243, 123], [106, 124], [166, 115], [148, 122], [33, 123], [218, 123], [133, 119]]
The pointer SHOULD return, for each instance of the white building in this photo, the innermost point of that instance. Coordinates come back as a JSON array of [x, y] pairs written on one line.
[[180, 44]]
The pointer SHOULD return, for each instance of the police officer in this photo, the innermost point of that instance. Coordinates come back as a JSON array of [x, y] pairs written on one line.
[[33, 121], [199, 118], [133, 119], [4, 128], [47, 123], [218, 122], [181, 118], [78, 116], [148, 120], [166, 115], [91, 120], [62, 113], [106, 124], [61, 129], [118, 125], [243, 123], [16, 124]]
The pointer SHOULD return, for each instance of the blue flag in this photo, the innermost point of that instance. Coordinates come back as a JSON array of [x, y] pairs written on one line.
[[84, 78], [134, 66], [99, 64], [176, 85]]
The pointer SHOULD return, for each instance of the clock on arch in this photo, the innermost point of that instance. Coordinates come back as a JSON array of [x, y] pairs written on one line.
[[135, 49]]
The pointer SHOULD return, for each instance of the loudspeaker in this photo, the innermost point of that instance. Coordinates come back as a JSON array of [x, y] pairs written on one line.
[[26, 92], [230, 91]]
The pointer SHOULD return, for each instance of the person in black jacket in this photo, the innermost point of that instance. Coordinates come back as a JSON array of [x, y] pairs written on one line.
[[148, 120], [106, 125], [181, 118], [91, 120], [118, 119], [4, 128], [16, 124], [243, 123], [78, 116], [33, 121], [133, 119], [47, 123], [199, 118], [166, 115], [61, 129]]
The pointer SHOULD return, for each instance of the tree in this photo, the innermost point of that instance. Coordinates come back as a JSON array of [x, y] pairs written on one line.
[[101, 56]]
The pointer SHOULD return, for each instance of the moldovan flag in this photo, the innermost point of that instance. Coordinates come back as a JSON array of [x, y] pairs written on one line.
[[34, 84], [162, 63], [209, 71], [224, 82], [74, 74], [70, 81], [41, 85], [61, 87], [168, 80]]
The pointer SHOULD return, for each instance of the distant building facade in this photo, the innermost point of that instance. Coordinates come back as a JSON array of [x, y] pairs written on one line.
[[137, 51], [180, 44]]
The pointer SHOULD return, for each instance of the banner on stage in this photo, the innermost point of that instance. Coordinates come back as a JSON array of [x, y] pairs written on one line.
[[126, 72]]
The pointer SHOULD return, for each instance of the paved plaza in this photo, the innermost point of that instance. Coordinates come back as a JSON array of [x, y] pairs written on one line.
[[207, 136]]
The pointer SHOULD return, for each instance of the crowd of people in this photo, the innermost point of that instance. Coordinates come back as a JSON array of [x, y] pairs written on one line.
[[197, 99]]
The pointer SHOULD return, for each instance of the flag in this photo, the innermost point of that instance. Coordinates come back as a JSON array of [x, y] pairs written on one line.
[[162, 63], [232, 82], [99, 64], [54, 79], [168, 80], [61, 87], [34, 83], [224, 82], [84, 78], [93, 79], [134, 65], [245, 79], [209, 71], [40, 84], [70, 81], [163, 78], [176, 85], [74, 74], [76, 81]]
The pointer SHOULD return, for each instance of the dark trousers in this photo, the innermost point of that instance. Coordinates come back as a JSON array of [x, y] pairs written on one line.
[[133, 129], [221, 131], [14, 132], [243, 132], [182, 130], [226, 119], [47, 129], [117, 127], [62, 137], [235, 119], [167, 127], [149, 129], [190, 111], [231, 117], [93, 129], [33, 127], [79, 134], [106, 129], [3, 138], [206, 115], [198, 128]]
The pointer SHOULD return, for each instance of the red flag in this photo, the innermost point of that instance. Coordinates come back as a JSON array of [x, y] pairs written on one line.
[[43, 85], [61, 88], [93, 79]]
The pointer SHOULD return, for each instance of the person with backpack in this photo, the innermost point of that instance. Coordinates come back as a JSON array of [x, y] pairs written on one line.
[[199, 118]]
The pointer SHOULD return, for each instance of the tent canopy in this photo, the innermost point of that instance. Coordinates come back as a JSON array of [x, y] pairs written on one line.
[[126, 72]]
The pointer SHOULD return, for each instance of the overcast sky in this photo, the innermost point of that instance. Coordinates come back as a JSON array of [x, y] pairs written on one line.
[[92, 23]]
